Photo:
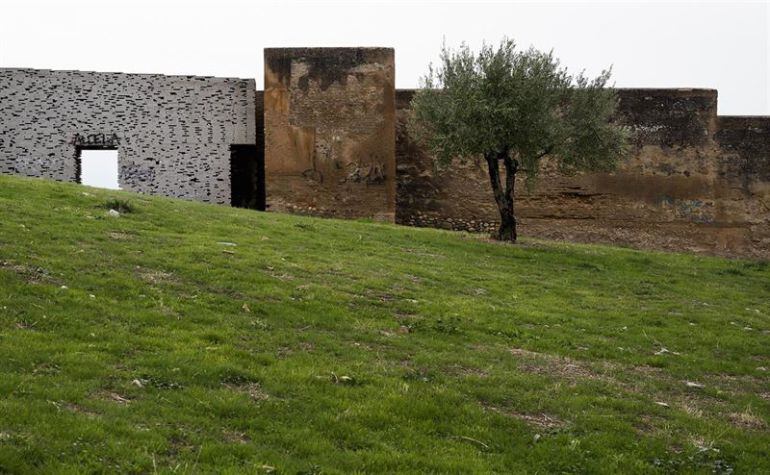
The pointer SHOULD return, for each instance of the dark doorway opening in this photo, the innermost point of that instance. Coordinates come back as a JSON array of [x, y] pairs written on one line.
[[247, 177]]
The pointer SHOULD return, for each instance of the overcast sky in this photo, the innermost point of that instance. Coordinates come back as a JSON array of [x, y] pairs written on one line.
[[722, 45]]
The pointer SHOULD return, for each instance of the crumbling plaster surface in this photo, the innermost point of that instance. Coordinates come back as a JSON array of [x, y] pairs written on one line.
[[330, 131], [693, 181]]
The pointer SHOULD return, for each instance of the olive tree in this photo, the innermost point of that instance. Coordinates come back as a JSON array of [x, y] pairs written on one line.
[[513, 108]]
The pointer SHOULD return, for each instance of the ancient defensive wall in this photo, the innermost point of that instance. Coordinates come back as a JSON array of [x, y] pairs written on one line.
[[694, 181], [327, 137]]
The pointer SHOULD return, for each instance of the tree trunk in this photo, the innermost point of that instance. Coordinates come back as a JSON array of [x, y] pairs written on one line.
[[504, 196]]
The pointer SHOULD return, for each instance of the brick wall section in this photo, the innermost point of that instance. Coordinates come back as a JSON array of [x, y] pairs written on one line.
[[330, 131], [692, 182], [174, 132]]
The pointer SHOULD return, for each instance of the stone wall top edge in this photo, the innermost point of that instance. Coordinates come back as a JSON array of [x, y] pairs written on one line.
[[330, 54], [327, 49], [405, 95], [117, 73], [626, 90]]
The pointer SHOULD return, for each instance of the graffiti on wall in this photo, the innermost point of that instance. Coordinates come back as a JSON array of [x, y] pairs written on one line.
[[96, 140]]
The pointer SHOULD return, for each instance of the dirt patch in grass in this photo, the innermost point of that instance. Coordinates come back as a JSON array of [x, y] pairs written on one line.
[[113, 397], [253, 390], [25, 325], [647, 424], [78, 409], [465, 371], [282, 276], [646, 381], [421, 253], [30, 274], [648, 371], [235, 437], [306, 346], [119, 236], [203, 287], [46, 369], [541, 421], [742, 384], [179, 444], [155, 276], [692, 406], [386, 297], [556, 366], [747, 420]]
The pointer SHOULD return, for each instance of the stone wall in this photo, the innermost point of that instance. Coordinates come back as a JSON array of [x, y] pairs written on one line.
[[172, 133], [694, 181], [330, 131]]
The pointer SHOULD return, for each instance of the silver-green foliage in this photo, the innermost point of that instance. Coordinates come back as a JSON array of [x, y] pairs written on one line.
[[518, 103]]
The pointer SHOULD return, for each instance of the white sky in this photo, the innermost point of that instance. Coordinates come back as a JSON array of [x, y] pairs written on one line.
[[722, 45], [99, 168]]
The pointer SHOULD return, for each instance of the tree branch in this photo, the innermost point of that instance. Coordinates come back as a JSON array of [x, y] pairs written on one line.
[[545, 151]]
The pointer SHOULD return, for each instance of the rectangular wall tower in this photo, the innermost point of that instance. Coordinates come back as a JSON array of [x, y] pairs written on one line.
[[330, 131]]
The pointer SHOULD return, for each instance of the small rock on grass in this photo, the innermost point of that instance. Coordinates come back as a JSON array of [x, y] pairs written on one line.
[[666, 351], [343, 379]]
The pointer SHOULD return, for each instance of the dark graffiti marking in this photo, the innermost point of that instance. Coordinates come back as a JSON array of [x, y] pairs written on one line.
[[96, 140]]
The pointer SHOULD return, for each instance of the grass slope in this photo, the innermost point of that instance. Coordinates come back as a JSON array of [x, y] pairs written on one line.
[[147, 342]]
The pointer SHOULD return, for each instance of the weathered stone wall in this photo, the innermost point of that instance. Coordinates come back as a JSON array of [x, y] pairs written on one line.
[[694, 181], [334, 143], [172, 133], [330, 131]]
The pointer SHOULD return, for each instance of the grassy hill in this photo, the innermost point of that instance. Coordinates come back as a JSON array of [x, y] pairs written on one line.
[[183, 337]]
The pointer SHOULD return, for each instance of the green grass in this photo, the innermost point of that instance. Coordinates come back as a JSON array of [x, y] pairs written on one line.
[[149, 342]]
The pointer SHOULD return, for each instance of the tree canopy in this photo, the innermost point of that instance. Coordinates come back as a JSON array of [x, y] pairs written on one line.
[[520, 102], [515, 107]]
